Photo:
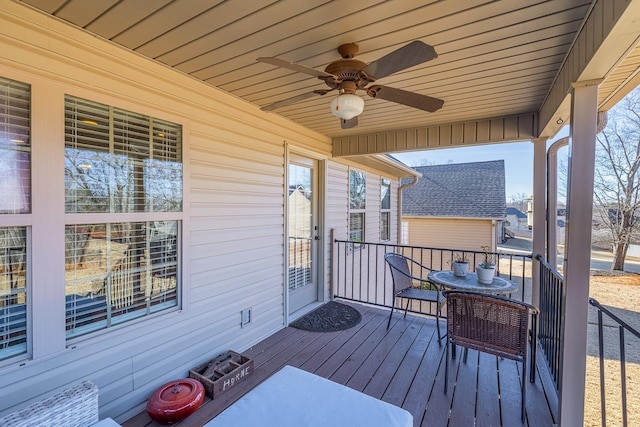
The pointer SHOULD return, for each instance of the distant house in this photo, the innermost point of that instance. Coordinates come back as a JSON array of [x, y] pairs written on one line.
[[299, 212], [516, 218], [456, 206]]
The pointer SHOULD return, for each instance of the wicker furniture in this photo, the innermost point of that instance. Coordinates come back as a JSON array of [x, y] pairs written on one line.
[[75, 406], [491, 324], [404, 282]]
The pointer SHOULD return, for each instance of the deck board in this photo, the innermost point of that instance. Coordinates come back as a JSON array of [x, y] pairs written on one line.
[[399, 387], [509, 381], [464, 392], [404, 366], [488, 404]]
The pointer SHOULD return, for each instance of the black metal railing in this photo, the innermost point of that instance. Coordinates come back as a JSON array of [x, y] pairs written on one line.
[[619, 354], [360, 272], [552, 291]]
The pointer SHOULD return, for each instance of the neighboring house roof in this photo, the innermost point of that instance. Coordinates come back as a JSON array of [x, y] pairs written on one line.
[[463, 190], [516, 212]]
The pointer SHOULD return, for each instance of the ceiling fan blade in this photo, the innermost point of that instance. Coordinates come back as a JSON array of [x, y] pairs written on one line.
[[290, 101], [407, 56], [415, 100], [293, 66], [348, 124]]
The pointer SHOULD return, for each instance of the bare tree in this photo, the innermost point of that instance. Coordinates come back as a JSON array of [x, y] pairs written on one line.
[[518, 201], [617, 177], [425, 161]]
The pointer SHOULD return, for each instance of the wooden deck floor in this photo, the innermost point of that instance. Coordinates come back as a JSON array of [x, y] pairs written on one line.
[[403, 366]]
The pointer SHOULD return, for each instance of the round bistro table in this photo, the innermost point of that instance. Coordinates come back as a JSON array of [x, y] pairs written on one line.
[[470, 282]]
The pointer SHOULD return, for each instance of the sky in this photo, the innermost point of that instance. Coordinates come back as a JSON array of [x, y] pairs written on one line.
[[517, 156]]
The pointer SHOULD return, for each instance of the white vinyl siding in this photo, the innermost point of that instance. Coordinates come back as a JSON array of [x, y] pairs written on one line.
[[372, 220], [450, 233], [237, 246], [337, 214]]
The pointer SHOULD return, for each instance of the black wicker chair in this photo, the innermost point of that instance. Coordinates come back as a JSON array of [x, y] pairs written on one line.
[[404, 285], [491, 324]]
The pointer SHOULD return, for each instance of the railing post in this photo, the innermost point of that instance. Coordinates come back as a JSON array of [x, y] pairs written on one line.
[[539, 213], [333, 247]]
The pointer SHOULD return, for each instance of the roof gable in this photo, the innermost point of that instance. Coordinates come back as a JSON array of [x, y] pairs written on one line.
[[516, 212], [463, 190]]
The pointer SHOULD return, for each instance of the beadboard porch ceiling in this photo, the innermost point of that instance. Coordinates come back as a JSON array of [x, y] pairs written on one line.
[[495, 58]]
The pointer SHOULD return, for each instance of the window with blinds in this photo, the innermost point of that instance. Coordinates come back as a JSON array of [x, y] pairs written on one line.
[[119, 162], [15, 147], [13, 291], [357, 204], [117, 272], [15, 198], [385, 209]]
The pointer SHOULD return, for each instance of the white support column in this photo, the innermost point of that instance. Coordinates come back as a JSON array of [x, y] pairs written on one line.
[[552, 200], [539, 212], [584, 107]]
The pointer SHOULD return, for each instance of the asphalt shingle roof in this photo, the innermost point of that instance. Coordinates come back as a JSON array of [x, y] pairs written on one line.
[[463, 190]]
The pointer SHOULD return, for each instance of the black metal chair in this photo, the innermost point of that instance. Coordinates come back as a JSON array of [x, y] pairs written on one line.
[[491, 324], [404, 285]]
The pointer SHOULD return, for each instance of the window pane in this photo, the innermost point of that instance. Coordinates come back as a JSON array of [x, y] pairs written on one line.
[[119, 272], [384, 225], [385, 194], [120, 161], [357, 186], [300, 226], [13, 291], [15, 148], [356, 227]]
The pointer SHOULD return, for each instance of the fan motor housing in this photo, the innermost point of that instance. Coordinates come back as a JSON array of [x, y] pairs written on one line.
[[347, 70]]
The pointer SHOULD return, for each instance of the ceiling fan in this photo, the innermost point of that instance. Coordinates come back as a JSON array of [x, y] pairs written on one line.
[[348, 75]]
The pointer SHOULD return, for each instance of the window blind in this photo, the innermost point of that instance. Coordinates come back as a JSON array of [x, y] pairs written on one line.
[[15, 147], [120, 161]]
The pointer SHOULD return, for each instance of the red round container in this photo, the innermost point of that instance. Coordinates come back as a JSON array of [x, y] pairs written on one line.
[[175, 400]]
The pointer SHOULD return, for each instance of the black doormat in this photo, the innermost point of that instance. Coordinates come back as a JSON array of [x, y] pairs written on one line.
[[330, 317]]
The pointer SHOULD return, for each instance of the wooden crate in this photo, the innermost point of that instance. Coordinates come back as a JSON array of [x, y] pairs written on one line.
[[222, 373]]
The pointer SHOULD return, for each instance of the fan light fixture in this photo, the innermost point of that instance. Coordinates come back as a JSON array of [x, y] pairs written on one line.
[[347, 106]]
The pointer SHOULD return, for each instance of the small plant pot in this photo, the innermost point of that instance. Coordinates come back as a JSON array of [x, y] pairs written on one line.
[[485, 275], [460, 268]]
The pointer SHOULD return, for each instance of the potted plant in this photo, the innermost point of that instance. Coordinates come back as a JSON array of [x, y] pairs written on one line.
[[486, 270], [460, 264]]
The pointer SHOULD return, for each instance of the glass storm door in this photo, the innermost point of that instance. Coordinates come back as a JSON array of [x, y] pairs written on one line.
[[303, 232]]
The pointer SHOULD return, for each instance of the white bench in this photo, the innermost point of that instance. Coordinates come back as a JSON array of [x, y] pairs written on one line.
[[75, 406], [293, 398]]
